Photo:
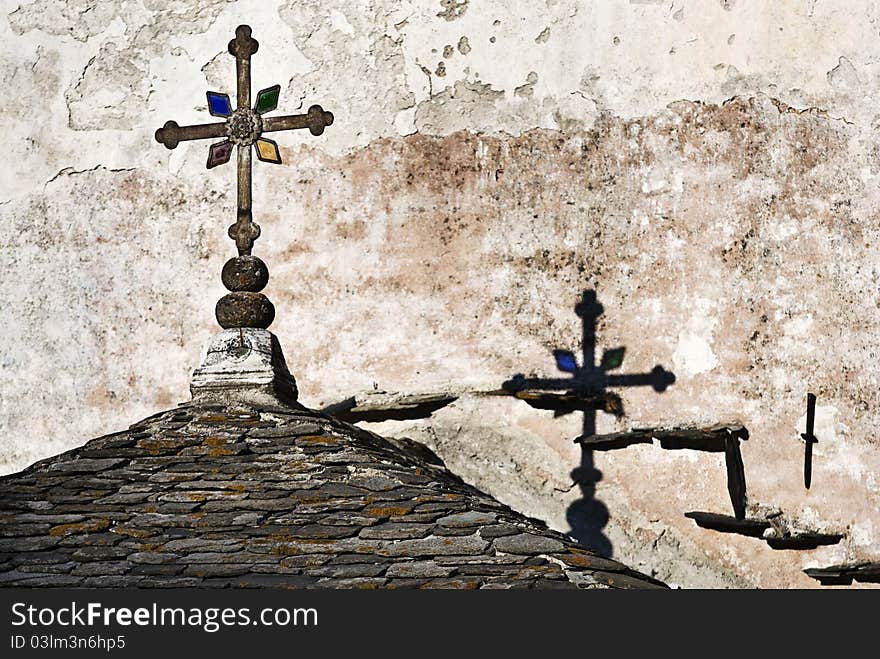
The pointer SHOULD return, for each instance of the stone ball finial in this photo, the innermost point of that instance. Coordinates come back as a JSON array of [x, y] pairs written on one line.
[[245, 273], [245, 306], [244, 309]]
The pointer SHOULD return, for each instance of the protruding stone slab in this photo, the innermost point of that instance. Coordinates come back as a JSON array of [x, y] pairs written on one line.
[[775, 530], [613, 441], [713, 438], [244, 365], [570, 402], [844, 575], [803, 540], [383, 406], [720, 437], [754, 528]]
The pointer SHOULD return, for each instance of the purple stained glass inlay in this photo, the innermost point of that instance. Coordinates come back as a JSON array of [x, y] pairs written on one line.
[[219, 105], [219, 153]]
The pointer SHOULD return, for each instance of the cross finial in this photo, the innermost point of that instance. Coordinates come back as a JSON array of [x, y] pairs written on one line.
[[244, 127], [243, 45], [589, 306]]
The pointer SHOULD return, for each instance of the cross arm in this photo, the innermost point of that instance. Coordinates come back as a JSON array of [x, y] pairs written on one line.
[[171, 134], [316, 119], [520, 383], [659, 378]]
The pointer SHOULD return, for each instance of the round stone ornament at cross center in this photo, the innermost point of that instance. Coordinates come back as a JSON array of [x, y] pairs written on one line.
[[244, 127]]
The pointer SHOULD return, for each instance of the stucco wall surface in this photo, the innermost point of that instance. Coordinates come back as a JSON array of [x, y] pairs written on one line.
[[710, 169]]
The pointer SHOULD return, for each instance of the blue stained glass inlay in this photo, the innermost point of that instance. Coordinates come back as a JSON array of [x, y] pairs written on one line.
[[565, 361], [219, 105]]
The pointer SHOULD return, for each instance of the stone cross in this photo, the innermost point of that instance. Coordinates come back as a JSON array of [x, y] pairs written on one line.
[[244, 128]]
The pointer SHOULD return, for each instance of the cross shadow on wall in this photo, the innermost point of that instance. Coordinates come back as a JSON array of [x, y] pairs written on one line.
[[587, 392]]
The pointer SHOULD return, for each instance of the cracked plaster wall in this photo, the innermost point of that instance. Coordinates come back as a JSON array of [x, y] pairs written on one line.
[[710, 168]]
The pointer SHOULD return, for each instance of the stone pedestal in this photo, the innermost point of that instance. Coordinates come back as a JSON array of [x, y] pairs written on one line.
[[244, 365]]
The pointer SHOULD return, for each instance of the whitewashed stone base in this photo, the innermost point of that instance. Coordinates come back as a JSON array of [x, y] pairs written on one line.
[[244, 365]]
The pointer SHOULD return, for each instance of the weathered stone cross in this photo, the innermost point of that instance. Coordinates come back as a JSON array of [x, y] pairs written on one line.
[[244, 127]]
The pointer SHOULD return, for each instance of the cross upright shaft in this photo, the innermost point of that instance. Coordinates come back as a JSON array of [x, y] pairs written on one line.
[[244, 231], [244, 128]]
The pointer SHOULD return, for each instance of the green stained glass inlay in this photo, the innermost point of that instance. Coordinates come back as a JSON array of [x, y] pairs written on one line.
[[612, 359], [267, 99]]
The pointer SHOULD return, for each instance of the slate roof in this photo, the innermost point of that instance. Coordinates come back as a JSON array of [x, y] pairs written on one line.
[[201, 496]]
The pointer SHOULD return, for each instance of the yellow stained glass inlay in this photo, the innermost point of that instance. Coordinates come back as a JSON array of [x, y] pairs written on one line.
[[268, 151]]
